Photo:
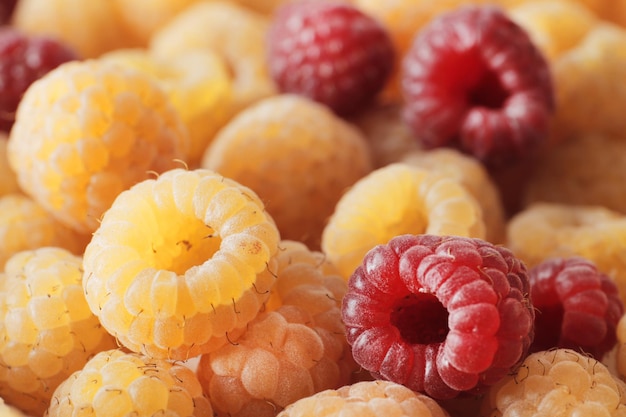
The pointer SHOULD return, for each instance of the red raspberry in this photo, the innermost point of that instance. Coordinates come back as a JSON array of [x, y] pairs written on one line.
[[439, 314], [578, 306], [24, 59], [473, 79], [331, 52]]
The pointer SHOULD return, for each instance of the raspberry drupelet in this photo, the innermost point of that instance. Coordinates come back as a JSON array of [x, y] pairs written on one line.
[[442, 315]]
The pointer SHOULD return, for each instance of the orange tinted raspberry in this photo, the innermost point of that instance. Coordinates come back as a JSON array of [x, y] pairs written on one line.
[[557, 382], [88, 130], [471, 174], [393, 200], [25, 225], [46, 328], [368, 398], [299, 158], [293, 349], [90, 27], [180, 263], [235, 32], [9, 410], [198, 85], [116, 383], [8, 179], [584, 170]]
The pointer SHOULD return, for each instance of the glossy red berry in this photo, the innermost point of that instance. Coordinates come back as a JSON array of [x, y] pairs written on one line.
[[23, 60], [473, 79], [331, 52], [578, 306], [439, 314]]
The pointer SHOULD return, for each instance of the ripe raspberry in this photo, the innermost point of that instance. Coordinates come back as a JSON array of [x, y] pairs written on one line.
[[25, 225], [46, 328], [439, 314], [578, 307], [198, 85], [233, 31], [8, 179], [393, 200], [293, 349], [330, 52], [117, 383], [181, 263], [283, 152], [368, 398], [473, 79], [24, 59], [559, 382], [6, 11], [88, 130], [474, 177]]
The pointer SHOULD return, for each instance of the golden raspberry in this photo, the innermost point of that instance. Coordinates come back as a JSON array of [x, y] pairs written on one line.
[[235, 32], [88, 130], [46, 328], [299, 158], [393, 200], [115, 383], [8, 179], [25, 225], [558, 382], [367, 398], [90, 27], [585, 77], [584, 170], [198, 85], [293, 349], [545, 230], [472, 175], [555, 26], [9, 410], [180, 263]]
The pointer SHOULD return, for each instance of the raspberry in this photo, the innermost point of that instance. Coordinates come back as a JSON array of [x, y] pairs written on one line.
[[559, 382], [88, 27], [181, 263], [8, 179], [283, 152], [471, 174], [198, 85], [25, 225], [24, 59], [547, 230], [293, 349], [330, 52], [118, 383], [233, 31], [578, 307], [368, 398], [441, 315], [6, 10], [47, 330], [473, 79], [393, 200], [587, 169], [96, 129]]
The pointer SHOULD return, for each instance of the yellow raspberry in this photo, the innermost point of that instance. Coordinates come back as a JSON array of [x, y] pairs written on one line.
[[8, 179], [393, 200], [558, 382], [585, 77], [115, 383], [88, 130], [366, 399], [299, 158], [25, 225], [293, 349], [90, 27], [198, 85], [9, 410], [473, 176], [46, 328], [235, 32], [180, 263], [584, 170]]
